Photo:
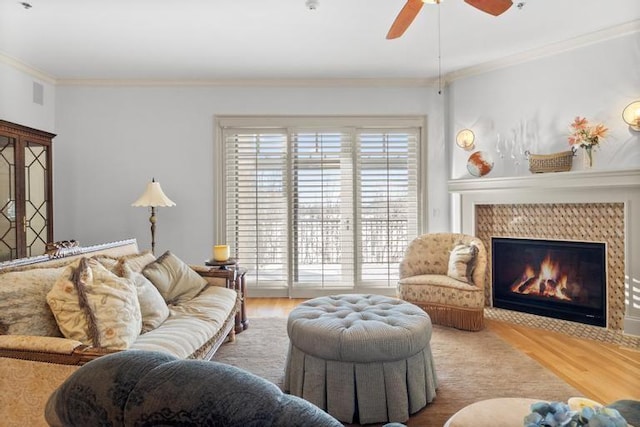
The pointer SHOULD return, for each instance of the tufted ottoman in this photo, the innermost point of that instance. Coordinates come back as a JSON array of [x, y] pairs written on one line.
[[361, 354]]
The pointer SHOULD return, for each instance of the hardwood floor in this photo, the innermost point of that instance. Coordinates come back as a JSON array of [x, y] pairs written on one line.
[[603, 372]]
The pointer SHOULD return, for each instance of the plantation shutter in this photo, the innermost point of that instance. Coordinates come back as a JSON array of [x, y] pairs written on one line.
[[316, 204], [256, 204], [322, 209], [387, 179]]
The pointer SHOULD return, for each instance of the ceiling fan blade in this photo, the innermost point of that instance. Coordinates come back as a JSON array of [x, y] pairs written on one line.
[[404, 18], [492, 7]]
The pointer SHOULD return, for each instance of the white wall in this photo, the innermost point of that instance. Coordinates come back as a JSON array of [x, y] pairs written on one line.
[[113, 140], [16, 99], [544, 95]]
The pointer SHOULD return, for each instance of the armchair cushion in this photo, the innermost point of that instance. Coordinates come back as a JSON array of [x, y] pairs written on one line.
[[441, 290]]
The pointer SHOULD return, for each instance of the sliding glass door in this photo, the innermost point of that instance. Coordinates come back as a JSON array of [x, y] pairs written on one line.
[[320, 207]]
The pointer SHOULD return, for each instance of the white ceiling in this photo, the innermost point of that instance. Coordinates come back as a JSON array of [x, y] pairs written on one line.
[[283, 39]]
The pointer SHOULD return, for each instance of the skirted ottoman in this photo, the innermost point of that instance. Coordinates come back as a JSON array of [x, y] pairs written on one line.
[[364, 356]]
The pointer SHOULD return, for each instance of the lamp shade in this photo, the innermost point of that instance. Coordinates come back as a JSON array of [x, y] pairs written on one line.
[[631, 115], [153, 196]]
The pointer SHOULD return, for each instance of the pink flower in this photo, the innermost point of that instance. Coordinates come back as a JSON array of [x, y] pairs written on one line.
[[600, 131], [579, 123], [586, 136]]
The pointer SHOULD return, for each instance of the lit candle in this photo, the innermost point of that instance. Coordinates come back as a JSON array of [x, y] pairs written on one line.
[[221, 253]]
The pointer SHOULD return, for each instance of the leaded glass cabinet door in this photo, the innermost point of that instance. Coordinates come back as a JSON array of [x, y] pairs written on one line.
[[35, 222], [26, 201], [8, 228]]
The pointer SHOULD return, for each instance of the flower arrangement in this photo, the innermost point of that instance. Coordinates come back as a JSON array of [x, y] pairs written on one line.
[[560, 414], [585, 136]]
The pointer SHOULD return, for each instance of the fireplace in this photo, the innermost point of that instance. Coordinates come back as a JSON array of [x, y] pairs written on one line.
[[554, 278]]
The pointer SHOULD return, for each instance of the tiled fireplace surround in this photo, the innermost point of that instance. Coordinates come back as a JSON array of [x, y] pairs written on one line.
[[563, 221], [600, 206]]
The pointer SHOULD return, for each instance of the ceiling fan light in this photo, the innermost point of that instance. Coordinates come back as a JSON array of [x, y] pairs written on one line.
[[432, 1]]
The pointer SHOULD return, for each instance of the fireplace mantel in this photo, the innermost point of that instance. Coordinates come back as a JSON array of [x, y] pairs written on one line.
[[575, 187], [557, 181]]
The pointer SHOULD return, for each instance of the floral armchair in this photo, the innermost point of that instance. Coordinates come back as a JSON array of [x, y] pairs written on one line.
[[445, 275]]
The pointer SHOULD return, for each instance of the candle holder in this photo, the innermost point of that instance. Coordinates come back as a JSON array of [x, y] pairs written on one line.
[[222, 265]]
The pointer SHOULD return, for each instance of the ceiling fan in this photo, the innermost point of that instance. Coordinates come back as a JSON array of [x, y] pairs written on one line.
[[412, 7]]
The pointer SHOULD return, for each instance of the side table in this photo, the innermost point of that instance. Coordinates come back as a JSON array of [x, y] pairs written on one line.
[[234, 277]]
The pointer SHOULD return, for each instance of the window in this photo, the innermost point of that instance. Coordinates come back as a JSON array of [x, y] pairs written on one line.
[[387, 201], [319, 203]]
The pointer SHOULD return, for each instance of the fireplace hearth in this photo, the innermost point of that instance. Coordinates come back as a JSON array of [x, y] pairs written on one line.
[[554, 278]]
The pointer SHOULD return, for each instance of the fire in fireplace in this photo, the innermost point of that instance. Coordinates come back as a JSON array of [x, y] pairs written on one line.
[[553, 278]]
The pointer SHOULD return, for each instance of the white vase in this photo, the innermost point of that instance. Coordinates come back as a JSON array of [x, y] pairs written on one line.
[[587, 158]]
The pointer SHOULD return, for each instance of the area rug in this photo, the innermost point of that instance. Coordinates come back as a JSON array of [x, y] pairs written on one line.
[[471, 366]]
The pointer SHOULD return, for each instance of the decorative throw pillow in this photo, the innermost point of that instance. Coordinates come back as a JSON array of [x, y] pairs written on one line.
[[175, 280], [106, 261], [96, 307], [152, 306], [462, 261], [138, 262], [23, 302]]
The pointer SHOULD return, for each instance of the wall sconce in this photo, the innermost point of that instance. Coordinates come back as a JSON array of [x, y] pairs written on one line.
[[465, 139], [631, 115]]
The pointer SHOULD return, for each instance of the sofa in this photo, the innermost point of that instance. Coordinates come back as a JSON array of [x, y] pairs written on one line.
[[158, 389], [60, 311]]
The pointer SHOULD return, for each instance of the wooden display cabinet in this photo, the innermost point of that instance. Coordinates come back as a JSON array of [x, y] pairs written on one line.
[[26, 201]]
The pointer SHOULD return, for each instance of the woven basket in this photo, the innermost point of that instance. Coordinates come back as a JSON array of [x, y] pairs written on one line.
[[556, 162]]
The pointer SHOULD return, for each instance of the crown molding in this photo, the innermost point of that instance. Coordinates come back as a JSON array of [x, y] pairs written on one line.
[[346, 82], [548, 50], [335, 82], [25, 68]]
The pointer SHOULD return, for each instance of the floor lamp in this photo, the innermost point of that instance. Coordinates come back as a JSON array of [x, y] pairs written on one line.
[[153, 197]]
